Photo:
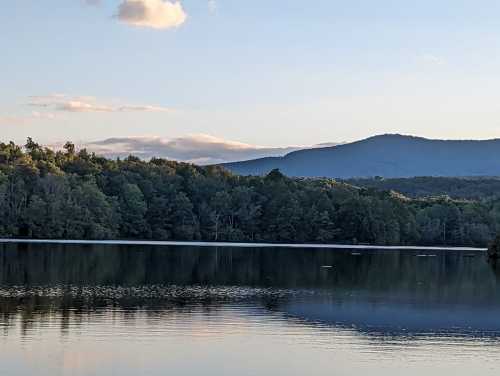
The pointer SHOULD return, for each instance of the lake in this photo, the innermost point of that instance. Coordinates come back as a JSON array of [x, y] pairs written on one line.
[[94, 309]]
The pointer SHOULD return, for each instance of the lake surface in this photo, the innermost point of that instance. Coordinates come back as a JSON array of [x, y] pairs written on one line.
[[180, 310]]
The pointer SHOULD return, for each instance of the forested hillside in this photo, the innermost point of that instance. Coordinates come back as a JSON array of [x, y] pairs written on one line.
[[457, 188], [389, 156], [70, 194]]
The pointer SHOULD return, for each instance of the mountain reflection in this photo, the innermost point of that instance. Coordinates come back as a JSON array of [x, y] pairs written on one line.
[[386, 292]]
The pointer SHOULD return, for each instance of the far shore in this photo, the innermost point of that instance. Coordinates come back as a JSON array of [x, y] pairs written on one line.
[[241, 245]]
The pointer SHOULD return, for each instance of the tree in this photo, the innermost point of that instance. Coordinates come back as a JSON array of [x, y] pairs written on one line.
[[159, 218], [70, 194], [133, 209], [184, 222]]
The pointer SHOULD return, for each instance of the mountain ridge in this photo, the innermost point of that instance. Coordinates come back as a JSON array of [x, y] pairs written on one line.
[[387, 155]]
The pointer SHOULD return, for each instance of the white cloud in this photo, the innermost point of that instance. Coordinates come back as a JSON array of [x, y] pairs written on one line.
[[146, 108], [212, 6], [92, 2], [44, 115], [62, 102], [25, 119], [432, 59], [156, 14], [79, 106], [39, 99], [198, 148]]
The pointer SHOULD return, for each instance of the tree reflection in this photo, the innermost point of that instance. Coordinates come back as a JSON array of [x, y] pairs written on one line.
[[73, 283]]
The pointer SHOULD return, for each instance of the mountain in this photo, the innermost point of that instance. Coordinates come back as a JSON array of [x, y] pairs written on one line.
[[390, 155], [201, 149]]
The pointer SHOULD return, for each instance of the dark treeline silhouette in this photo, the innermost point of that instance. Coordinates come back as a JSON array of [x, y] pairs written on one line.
[[485, 188], [75, 194]]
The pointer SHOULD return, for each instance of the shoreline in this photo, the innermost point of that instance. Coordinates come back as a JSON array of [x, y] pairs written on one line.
[[238, 245]]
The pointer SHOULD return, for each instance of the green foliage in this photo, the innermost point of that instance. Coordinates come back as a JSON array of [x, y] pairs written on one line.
[[456, 188], [76, 194]]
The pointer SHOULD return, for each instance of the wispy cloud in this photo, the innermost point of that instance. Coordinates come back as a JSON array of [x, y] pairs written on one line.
[[44, 115], [156, 14], [198, 148], [146, 108], [92, 2], [79, 106], [432, 59], [212, 6], [12, 120], [62, 102], [25, 119]]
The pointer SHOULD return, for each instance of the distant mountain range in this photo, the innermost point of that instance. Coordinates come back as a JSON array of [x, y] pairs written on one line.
[[201, 149], [389, 156]]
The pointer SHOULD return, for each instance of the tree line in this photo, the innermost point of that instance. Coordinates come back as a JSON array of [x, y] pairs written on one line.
[[469, 188], [70, 194]]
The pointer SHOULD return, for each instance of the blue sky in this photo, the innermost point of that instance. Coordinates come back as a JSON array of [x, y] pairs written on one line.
[[260, 72]]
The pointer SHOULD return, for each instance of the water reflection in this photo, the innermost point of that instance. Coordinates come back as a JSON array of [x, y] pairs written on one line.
[[37, 264], [373, 303], [384, 290]]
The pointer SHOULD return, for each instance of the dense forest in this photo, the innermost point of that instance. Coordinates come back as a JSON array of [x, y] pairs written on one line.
[[79, 195], [473, 188]]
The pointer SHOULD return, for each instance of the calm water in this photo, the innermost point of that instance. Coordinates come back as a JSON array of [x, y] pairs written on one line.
[[144, 310]]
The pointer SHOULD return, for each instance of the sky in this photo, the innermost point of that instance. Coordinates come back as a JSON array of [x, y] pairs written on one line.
[[253, 75]]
